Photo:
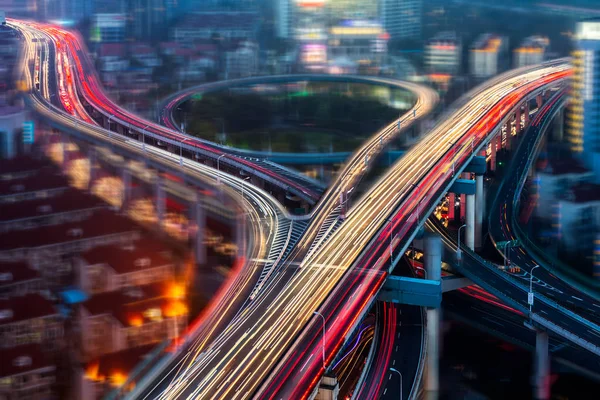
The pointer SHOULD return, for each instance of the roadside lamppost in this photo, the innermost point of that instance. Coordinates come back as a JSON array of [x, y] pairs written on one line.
[[400, 374], [321, 315], [530, 294], [458, 250], [144, 138]]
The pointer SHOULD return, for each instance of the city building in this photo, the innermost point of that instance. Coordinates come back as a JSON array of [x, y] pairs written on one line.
[[242, 61], [487, 55], [109, 28], [49, 249], [554, 180], [102, 375], [18, 279], [583, 119], [361, 42], [284, 11], [149, 19], [310, 24], [110, 268], [69, 206], [579, 217], [11, 127], [402, 19], [532, 51], [131, 317], [235, 26], [443, 54], [28, 184], [340, 10], [30, 319], [26, 372]]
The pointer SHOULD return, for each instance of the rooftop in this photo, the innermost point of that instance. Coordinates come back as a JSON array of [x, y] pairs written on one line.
[[102, 222], [22, 359], [221, 20], [70, 200], [16, 272], [45, 179], [584, 193], [120, 362], [21, 164], [487, 42], [125, 259], [135, 306], [564, 167], [26, 307]]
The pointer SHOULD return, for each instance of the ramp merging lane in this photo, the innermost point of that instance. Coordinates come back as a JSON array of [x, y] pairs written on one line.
[[277, 339]]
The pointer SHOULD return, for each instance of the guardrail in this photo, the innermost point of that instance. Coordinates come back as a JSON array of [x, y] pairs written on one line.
[[566, 334]]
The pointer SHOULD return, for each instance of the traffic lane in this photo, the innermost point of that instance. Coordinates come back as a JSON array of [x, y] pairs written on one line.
[[406, 354], [516, 296], [510, 326]]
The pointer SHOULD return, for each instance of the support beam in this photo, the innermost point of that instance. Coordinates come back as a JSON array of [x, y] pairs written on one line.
[[479, 205], [542, 367], [161, 200], [558, 131], [199, 245], [126, 194], [470, 221], [451, 206], [433, 264]]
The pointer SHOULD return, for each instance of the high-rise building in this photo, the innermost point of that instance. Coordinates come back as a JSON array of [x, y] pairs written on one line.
[[531, 52], [284, 10], [443, 54], [401, 18], [351, 10], [583, 122], [487, 54]]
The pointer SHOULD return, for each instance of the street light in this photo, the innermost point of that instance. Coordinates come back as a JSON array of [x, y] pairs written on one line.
[[181, 151], [219, 169], [109, 118], [530, 294], [244, 180], [458, 250], [400, 374], [321, 315]]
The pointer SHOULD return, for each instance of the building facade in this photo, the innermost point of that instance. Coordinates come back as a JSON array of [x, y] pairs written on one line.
[[402, 19], [443, 54], [532, 51], [486, 54], [583, 118]]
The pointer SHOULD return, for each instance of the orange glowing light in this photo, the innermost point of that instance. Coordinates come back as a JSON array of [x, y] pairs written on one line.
[[175, 309], [91, 372], [136, 320], [176, 291], [117, 379]]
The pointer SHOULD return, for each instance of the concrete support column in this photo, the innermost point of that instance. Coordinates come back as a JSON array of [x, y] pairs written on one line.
[[126, 194], [479, 211], [542, 367], [518, 120], [526, 112], [433, 267], [161, 200], [463, 205], [199, 246], [558, 132], [470, 221], [539, 100], [92, 171], [240, 234]]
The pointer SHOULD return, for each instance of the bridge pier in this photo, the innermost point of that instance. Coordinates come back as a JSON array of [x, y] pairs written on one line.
[[493, 148], [467, 190], [479, 211], [198, 237], [558, 131], [541, 375], [93, 170], [126, 193], [161, 200], [539, 100], [433, 268], [451, 206]]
